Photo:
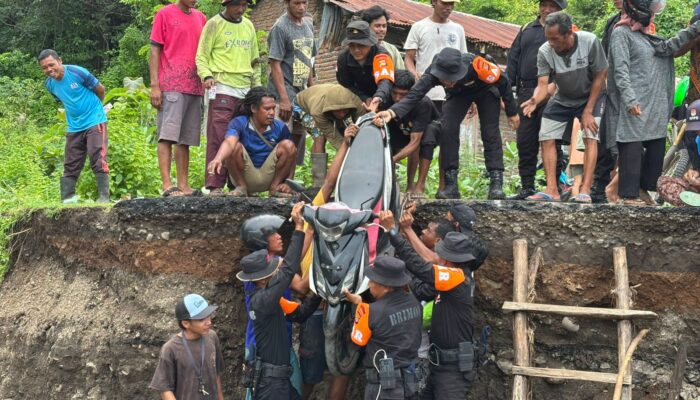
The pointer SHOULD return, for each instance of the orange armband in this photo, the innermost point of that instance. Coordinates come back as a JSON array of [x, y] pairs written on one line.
[[288, 306], [360, 330], [487, 71], [383, 68], [447, 278]]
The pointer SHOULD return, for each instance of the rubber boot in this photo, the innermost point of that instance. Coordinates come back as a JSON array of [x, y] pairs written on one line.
[[526, 189], [496, 186], [102, 187], [451, 191], [319, 167], [68, 195]]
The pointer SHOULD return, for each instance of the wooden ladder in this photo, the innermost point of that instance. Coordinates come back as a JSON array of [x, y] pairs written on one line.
[[521, 307]]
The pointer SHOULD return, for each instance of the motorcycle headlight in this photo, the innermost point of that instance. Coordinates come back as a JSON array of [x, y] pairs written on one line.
[[331, 234]]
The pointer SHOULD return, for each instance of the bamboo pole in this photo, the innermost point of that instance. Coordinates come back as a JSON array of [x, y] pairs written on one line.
[[624, 327], [520, 342], [627, 362]]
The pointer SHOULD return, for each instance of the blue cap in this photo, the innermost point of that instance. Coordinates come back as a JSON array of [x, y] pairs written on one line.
[[193, 306]]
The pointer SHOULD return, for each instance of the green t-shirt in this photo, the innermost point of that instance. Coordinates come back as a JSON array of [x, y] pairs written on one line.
[[228, 51]]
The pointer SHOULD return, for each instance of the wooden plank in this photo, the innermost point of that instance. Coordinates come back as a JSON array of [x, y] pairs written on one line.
[[601, 377], [584, 312], [678, 371], [520, 344], [624, 327]]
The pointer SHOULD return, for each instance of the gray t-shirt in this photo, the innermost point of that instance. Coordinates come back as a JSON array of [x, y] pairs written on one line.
[[573, 72], [176, 373], [295, 47]]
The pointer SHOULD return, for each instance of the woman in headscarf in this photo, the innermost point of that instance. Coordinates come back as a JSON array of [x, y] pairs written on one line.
[[640, 91]]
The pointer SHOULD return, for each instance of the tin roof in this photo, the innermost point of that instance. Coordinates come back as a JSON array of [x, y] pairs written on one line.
[[406, 13]]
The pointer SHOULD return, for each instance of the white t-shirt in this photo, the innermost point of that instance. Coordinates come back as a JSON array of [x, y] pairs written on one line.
[[428, 38]]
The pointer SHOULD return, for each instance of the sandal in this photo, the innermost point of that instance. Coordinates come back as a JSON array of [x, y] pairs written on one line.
[[542, 197], [633, 202], [582, 198], [282, 195], [173, 191], [238, 192], [216, 192]]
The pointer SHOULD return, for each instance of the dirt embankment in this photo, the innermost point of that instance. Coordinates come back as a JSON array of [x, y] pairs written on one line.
[[89, 298]]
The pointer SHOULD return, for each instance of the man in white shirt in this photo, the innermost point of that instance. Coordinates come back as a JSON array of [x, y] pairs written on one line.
[[430, 35]]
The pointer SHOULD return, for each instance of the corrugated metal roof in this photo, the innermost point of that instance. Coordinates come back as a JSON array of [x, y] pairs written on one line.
[[406, 13]]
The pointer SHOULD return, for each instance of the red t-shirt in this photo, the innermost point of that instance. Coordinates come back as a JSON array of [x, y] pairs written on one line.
[[178, 34]]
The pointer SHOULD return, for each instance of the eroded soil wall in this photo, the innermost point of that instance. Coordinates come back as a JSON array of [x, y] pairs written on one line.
[[89, 298]]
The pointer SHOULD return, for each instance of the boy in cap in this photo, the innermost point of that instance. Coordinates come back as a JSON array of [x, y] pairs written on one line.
[[190, 362], [269, 313], [388, 328], [364, 67], [452, 354], [468, 79]]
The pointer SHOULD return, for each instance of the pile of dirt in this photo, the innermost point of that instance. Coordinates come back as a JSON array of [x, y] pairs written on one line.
[[89, 298]]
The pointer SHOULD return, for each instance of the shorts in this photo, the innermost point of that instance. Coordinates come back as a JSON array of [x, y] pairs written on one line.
[[258, 179], [557, 120], [312, 353], [180, 118]]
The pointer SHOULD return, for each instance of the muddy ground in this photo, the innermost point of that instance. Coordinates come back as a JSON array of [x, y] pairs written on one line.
[[89, 298]]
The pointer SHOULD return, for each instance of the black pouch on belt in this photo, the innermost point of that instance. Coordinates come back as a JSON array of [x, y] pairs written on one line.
[[387, 377], [465, 358]]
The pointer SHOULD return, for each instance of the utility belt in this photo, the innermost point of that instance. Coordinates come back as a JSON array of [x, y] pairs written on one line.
[[527, 83], [254, 371], [465, 358], [407, 378]]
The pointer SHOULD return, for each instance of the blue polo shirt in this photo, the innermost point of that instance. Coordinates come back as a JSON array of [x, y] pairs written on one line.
[[83, 107], [258, 150]]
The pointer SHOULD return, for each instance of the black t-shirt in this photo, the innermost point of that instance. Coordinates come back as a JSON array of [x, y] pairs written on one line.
[[522, 57], [416, 121]]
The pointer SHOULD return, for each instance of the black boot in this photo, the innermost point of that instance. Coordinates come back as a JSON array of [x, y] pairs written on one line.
[[451, 191], [68, 190], [496, 186], [526, 189], [102, 187]]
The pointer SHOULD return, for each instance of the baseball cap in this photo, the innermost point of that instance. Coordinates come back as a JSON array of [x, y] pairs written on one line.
[[692, 117], [561, 3], [463, 214], [193, 306], [359, 32]]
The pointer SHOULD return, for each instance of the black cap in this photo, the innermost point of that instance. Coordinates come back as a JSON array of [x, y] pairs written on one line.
[[255, 266], [360, 33], [463, 214], [561, 3], [455, 248], [388, 271], [448, 65]]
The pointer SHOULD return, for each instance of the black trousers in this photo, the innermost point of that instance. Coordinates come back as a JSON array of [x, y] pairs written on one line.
[[606, 161], [640, 166], [453, 112], [276, 389], [528, 136], [448, 384]]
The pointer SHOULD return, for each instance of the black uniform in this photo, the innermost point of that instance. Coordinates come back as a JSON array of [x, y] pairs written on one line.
[[522, 73], [465, 92], [270, 327], [607, 159], [360, 78], [418, 120], [452, 324], [395, 322]]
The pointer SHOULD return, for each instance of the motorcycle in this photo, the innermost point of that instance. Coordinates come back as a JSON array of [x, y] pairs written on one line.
[[347, 236]]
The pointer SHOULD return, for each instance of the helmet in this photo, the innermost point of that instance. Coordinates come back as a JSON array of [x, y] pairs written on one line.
[[643, 10], [254, 231]]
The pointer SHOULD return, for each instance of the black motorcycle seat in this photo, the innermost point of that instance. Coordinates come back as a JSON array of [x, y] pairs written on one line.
[[363, 172]]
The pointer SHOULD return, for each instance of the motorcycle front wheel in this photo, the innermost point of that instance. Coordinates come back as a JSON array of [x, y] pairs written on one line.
[[342, 355]]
